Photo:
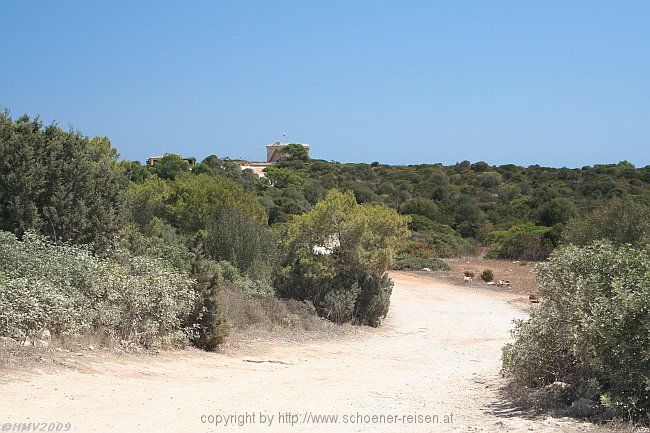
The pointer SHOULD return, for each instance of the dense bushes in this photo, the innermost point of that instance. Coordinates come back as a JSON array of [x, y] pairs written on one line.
[[67, 186], [337, 254], [70, 292], [622, 222], [525, 241], [246, 243], [195, 198], [445, 242], [471, 200], [592, 329], [410, 262]]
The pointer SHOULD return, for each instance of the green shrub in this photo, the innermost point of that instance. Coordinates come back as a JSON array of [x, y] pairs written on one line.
[[445, 242], [524, 241], [243, 241], [60, 183], [338, 305], [420, 206], [208, 321], [193, 200], [487, 275], [340, 247], [421, 223], [410, 262], [592, 329], [622, 222], [373, 300], [556, 211]]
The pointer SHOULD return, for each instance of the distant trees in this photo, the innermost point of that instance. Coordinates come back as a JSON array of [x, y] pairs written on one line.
[[67, 186], [556, 211], [620, 222], [420, 206], [525, 241], [170, 166], [190, 201], [195, 198]]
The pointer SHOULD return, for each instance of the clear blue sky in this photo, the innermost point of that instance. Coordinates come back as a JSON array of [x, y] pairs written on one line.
[[549, 82]]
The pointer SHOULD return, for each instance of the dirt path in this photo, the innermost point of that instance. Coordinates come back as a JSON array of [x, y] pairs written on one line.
[[438, 354]]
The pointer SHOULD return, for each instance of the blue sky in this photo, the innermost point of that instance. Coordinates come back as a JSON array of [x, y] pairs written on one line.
[[561, 83]]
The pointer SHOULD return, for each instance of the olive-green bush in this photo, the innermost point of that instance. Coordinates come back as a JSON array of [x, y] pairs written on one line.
[[487, 275], [621, 222], [409, 262], [248, 244], [340, 251], [592, 328], [523, 241]]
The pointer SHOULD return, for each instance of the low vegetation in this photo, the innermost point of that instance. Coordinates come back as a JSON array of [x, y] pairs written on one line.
[[591, 331], [68, 291], [487, 275], [411, 262]]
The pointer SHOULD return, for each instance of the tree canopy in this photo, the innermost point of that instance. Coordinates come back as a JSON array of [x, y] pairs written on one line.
[[61, 183]]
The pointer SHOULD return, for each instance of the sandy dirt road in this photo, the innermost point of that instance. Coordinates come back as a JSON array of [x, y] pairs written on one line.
[[437, 355]]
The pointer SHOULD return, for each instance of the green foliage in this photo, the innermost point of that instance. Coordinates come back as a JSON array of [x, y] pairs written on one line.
[[135, 171], [195, 198], [443, 241], [487, 275], [170, 166], [211, 327], [592, 329], [410, 262], [60, 183], [472, 199], [622, 222], [338, 305], [524, 241], [556, 211], [420, 206], [159, 240], [69, 291], [243, 241], [283, 177], [148, 200], [340, 245], [294, 152], [421, 224], [491, 179], [374, 299], [190, 201], [220, 167]]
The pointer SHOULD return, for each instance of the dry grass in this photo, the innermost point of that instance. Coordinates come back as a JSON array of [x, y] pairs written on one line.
[[255, 318], [518, 273]]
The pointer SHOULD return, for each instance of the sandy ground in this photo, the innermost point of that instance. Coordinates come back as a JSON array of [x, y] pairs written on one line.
[[437, 355]]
